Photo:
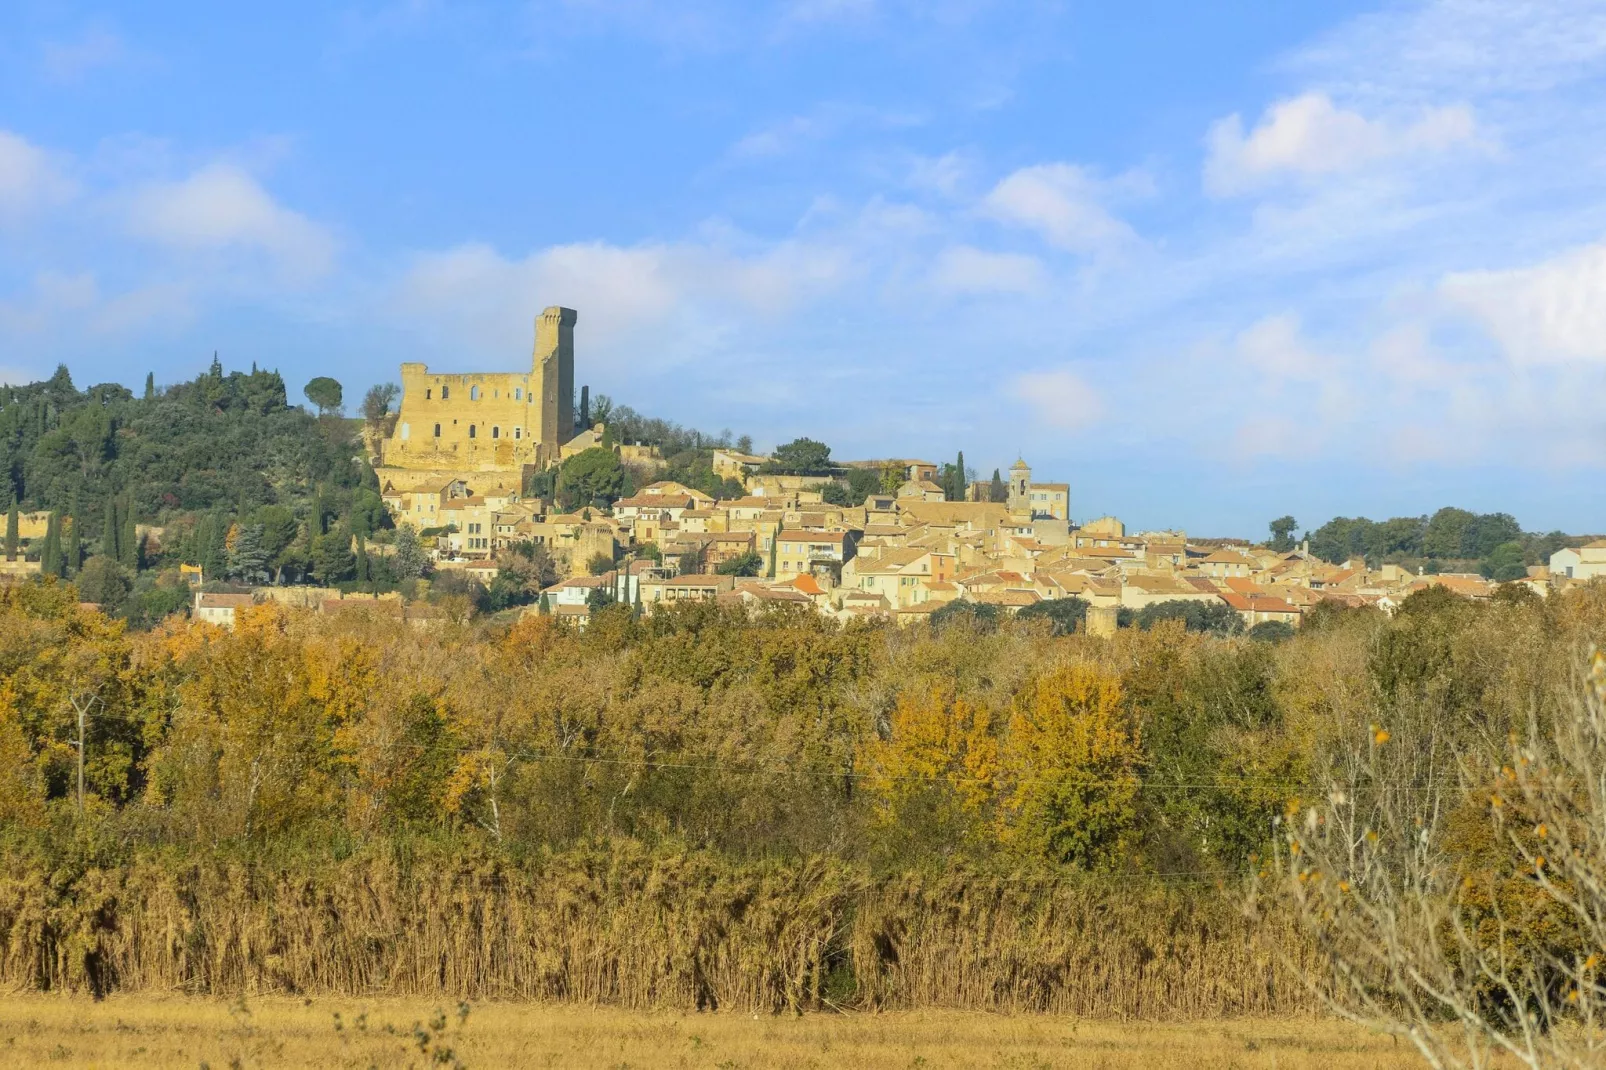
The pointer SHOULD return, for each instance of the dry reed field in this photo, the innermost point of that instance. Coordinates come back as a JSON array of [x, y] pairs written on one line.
[[161, 1032]]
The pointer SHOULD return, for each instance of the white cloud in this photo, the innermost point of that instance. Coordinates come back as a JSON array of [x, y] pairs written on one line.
[[1060, 399], [1309, 136], [677, 292], [68, 61], [1553, 312], [1063, 202], [30, 178], [966, 269], [223, 207]]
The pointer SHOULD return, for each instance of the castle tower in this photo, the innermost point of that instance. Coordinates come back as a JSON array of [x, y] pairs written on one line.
[[552, 367], [1020, 488]]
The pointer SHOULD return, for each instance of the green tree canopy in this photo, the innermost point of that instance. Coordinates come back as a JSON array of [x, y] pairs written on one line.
[[1282, 534], [325, 393], [1214, 618], [750, 563], [800, 457], [1063, 613], [593, 477]]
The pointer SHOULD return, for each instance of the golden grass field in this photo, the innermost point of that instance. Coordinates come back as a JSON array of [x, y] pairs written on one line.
[[143, 1031]]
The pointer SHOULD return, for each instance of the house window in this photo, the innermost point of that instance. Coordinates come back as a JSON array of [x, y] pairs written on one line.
[[471, 430], [446, 392], [437, 430], [496, 432], [518, 433], [426, 395], [406, 432], [473, 393]]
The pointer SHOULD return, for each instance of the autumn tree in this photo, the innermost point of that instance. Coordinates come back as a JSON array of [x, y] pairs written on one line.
[[1070, 768]]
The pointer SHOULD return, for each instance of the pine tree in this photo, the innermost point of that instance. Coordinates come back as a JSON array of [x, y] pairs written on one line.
[[127, 536], [150, 385], [13, 525], [110, 529], [73, 554]]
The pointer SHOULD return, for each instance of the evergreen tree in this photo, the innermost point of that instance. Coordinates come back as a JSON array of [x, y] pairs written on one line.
[[127, 536], [50, 557], [249, 559], [409, 559], [13, 525], [318, 513], [958, 494], [214, 551], [73, 552], [216, 370], [110, 529], [150, 385], [363, 575], [585, 409], [775, 541], [997, 492]]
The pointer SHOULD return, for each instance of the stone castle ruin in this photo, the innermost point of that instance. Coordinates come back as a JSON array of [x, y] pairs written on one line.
[[489, 421]]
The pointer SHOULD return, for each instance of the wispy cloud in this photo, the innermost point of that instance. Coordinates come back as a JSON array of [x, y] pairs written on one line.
[[31, 179], [1309, 136], [1065, 203]]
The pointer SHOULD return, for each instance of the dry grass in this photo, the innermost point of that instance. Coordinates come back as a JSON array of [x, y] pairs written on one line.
[[626, 928], [159, 1032]]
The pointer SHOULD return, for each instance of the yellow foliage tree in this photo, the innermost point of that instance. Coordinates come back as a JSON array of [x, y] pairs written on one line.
[[1069, 768], [936, 769]]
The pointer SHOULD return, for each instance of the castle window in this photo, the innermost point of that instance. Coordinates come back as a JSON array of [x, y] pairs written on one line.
[[437, 430], [518, 393], [426, 393], [496, 432], [518, 433], [471, 429], [406, 432], [473, 393], [446, 392]]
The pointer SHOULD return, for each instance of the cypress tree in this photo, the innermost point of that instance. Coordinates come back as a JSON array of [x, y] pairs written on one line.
[[127, 537], [150, 385], [998, 492], [959, 478], [73, 555], [317, 512], [585, 408], [362, 560], [13, 523], [214, 552], [110, 529], [50, 559]]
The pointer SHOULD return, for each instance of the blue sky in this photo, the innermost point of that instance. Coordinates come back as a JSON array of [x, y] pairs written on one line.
[[1207, 263]]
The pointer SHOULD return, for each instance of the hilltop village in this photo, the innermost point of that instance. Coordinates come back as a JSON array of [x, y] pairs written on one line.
[[458, 462], [462, 492]]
